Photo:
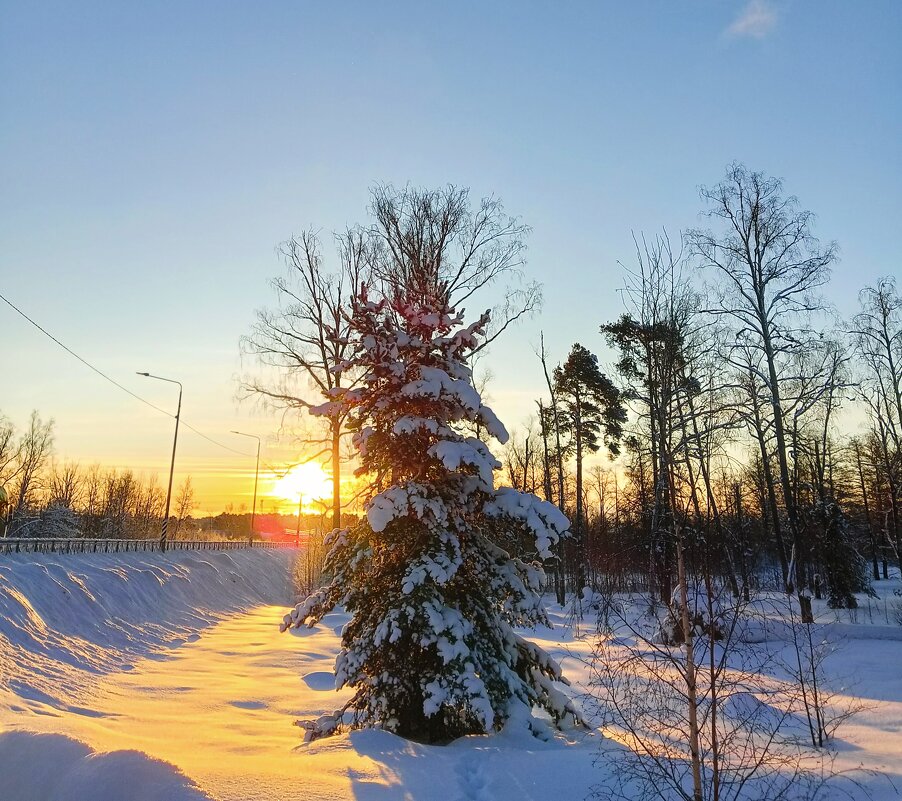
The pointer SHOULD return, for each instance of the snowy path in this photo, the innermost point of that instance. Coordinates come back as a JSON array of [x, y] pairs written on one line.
[[221, 708]]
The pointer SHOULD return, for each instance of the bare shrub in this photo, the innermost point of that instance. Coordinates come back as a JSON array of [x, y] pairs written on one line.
[[710, 713], [308, 569]]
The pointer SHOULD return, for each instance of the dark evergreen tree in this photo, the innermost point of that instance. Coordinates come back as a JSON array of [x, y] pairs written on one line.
[[431, 648], [591, 411], [845, 572]]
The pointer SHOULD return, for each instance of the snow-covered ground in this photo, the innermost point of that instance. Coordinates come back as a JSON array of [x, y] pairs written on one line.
[[72, 626], [161, 678]]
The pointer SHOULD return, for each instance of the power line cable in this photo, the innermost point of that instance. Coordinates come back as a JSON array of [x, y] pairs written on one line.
[[83, 361], [215, 442], [115, 383]]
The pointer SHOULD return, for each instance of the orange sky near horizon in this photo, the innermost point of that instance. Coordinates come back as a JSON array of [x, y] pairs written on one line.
[[225, 486], [218, 488]]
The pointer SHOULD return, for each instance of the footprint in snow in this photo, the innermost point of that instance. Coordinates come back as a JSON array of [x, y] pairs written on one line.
[[320, 680], [473, 780]]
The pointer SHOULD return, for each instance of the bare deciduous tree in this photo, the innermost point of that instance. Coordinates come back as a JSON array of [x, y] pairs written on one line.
[[877, 334], [66, 485], [436, 244], [33, 451], [303, 339], [770, 265], [185, 504]]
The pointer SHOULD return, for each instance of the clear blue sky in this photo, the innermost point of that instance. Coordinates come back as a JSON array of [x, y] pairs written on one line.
[[153, 154]]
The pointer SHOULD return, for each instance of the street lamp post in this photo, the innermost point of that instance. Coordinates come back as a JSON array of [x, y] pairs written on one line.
[[256, 478], [4, 504], [297, 533], [175, 440]]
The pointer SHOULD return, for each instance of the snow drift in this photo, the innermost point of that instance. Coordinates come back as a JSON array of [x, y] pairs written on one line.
[[52, 767], [67, 618]]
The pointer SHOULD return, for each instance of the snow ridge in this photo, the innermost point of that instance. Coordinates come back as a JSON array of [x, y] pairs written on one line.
[[80, 615]]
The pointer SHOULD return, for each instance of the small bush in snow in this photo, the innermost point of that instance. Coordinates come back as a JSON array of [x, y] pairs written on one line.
[[708, 617]]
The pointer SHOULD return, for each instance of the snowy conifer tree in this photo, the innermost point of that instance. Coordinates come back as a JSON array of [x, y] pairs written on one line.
[[431, 648], [59, 520]]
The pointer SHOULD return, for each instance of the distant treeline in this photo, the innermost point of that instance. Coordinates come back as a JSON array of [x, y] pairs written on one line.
[[46, 498]]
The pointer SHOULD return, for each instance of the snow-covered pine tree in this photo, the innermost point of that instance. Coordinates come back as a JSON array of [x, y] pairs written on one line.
[[58, 520], [431, 647]]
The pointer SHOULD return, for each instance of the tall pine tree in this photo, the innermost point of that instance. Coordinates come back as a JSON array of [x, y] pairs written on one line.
[[431, 649], [591, 411]]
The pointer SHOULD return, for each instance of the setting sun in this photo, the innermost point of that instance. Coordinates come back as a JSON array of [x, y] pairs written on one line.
[[305, 482]]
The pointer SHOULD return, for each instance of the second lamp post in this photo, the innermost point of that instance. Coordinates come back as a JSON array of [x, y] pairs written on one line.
[[175, 440], [256, 478]]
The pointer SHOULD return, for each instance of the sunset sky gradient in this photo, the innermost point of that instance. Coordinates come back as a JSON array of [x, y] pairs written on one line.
[[153, 155]]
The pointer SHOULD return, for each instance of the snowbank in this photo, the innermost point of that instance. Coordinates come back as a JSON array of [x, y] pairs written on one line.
[[52, 767], [66, 618]]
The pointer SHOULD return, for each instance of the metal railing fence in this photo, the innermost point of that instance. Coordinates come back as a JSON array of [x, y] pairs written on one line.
[[88, 545]]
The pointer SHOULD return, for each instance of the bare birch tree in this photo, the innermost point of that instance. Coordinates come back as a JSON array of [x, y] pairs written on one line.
[[770, 266], [185, 504], [33, 453]]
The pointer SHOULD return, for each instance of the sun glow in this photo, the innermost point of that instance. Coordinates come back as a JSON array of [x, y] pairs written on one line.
[[304, 483]]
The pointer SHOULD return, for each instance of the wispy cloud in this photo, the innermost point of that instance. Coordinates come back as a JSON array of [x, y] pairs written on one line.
[[756, 20]]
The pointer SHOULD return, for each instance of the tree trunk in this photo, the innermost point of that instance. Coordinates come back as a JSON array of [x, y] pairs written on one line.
[[782, 462], [557, 568], [691, 691], [769, 485], [580, 523], [336, 474]]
